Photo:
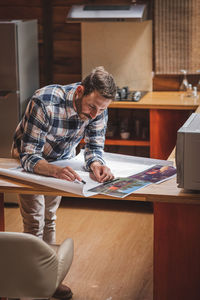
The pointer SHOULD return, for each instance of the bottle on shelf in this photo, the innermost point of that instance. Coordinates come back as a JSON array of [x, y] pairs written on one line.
[[184, 83], [195, 92], [189, 91], [192, 92]]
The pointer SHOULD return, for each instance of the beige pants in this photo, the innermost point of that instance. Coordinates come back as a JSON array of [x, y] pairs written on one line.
[[39, 215]]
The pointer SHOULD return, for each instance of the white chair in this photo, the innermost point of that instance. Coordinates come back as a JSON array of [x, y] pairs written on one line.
[[31, 268]]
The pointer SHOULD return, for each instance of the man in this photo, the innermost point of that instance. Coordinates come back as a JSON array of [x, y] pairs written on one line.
[[56, 119]]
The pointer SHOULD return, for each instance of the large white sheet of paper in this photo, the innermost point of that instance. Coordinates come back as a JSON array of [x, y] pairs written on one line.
[[120, 165]]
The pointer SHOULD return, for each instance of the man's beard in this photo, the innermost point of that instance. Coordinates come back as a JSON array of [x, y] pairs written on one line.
[[78, 104]]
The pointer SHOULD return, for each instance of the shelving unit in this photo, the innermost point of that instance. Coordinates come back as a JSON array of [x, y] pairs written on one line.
[[112, 142], [133, 123], [165, 113]]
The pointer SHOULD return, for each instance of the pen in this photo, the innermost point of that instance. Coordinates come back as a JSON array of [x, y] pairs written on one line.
[[80, 181]]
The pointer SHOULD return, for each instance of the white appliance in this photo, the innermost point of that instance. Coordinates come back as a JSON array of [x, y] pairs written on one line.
[[187, 154]]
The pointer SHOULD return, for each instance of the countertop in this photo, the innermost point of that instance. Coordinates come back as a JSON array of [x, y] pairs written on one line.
[[161, 100]]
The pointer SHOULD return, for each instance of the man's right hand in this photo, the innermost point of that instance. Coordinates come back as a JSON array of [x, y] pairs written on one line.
[[67, 173]]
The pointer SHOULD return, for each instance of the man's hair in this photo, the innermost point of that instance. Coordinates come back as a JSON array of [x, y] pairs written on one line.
[[101, 81]]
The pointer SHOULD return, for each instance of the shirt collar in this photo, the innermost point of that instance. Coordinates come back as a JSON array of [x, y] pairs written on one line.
[[70, 96]]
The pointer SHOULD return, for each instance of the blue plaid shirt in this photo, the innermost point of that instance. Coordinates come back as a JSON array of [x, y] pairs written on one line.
[[51, 129]]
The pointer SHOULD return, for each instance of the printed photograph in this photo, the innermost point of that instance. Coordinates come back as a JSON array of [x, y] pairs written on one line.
[[123, 186]]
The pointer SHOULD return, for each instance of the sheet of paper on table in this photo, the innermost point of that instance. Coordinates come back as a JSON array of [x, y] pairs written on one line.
[[120, 165]]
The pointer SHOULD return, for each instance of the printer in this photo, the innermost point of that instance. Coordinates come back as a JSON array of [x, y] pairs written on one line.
[[188, 154]]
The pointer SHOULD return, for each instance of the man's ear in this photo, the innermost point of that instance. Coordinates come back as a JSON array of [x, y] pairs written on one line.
[[80, 90]]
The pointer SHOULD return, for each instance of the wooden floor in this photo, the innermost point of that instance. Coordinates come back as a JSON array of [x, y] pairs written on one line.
[[113, 257]]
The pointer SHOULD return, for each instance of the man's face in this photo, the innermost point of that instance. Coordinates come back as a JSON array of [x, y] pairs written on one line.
[[90, 106]]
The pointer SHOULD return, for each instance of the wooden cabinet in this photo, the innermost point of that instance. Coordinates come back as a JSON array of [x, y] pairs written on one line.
[[128, 131], [151, 123], [164, 125]]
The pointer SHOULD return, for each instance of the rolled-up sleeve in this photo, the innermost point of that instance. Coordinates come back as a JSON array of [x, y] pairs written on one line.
[[95, 139], [35, 124]]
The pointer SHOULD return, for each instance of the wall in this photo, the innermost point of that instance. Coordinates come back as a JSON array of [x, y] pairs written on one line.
[[131, 44], [60, 42]]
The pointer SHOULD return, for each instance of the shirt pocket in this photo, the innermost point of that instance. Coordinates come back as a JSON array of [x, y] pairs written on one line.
[[58, 144]]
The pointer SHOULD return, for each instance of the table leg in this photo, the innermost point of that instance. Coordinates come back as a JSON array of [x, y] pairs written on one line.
[[176, 251], [2, 226]]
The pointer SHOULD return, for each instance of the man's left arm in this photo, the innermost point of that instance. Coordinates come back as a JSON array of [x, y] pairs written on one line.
[[94, 146]]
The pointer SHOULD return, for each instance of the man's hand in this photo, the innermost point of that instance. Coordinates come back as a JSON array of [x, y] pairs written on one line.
[[101, 172], [67, 173]]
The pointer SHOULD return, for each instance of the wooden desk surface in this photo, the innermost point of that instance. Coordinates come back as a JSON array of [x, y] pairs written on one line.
[[160, 100], [164, 192]]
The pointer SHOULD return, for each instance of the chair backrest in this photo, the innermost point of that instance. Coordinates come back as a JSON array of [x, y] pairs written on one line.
[[28, 266]]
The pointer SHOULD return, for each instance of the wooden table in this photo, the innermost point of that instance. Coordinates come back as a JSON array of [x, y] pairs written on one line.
[[176, 232]]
